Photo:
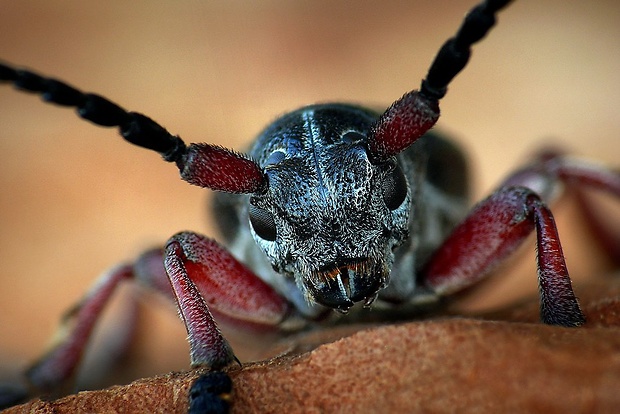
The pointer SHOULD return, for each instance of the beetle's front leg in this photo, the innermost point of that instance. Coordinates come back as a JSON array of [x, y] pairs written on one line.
[[493, 230], [204, 273], [499, 224]]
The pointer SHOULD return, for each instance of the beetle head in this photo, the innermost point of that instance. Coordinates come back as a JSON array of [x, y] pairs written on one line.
[[328, 217]]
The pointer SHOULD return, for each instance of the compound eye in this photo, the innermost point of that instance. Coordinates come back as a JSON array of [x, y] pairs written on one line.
[[275, 158], [394, 188], [262, 223]]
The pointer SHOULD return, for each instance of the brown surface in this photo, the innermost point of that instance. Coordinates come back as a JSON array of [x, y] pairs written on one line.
[[441, 365]]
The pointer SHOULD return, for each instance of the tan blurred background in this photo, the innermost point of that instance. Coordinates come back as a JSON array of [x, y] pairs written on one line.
[[77, 199]]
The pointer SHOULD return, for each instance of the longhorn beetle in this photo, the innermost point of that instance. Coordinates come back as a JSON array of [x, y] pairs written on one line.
[[345, 206]]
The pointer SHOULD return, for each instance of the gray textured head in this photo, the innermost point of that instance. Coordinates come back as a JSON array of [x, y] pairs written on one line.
[[329, 217]]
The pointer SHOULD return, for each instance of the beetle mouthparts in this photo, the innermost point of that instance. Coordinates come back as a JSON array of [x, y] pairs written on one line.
[[341, 285]]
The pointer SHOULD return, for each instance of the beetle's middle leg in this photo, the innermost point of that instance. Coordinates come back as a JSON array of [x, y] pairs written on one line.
[[193, 270], [499, 224], [551, 167]]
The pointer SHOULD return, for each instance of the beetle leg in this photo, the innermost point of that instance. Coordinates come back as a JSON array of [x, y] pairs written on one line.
[[493, 230], [203, 272], [551, 168], [59, 364], [607, 236], [57, 367], [202, 275]]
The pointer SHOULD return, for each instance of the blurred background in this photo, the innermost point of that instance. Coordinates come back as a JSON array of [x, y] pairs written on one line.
[[76, 199]]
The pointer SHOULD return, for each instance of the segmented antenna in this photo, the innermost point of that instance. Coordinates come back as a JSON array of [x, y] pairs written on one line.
[[199, 164], [455, 53], [134, 127], [416, 112]]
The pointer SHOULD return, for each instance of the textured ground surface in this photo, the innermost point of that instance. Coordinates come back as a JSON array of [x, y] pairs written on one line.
[[503, 363]]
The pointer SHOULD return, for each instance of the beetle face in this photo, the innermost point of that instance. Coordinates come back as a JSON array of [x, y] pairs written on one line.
[[329, 218]]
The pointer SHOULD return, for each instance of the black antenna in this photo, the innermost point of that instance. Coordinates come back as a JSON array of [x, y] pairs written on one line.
[[133, 127], [455, 53]]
